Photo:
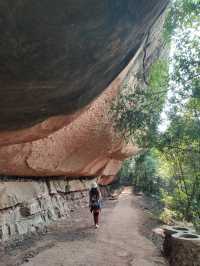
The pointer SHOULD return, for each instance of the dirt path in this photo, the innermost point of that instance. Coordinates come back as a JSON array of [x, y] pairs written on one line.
[[118, 241]]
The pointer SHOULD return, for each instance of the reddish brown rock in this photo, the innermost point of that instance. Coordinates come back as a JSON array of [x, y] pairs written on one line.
[[106, 180], [38, 131], [88, 146], [58, 56]]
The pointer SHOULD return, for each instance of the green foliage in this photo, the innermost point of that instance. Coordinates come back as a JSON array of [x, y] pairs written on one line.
[[182, 151], [126, 172], [185, 78], [182, 13], [144, 177], [167, 216], [197, 224], [137, 113], [171, 170]]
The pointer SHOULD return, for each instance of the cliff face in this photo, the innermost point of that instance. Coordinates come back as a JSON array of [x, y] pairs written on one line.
[[58, 67], [89, 145], [58, 152], [55, 57]]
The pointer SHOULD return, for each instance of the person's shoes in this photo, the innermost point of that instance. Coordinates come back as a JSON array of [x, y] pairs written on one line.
[[96, 226]]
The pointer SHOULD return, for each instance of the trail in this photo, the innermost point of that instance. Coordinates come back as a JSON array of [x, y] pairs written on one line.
[[118, 242]]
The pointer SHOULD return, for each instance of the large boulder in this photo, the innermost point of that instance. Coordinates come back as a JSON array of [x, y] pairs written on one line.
[[88, 144], [57, 56]]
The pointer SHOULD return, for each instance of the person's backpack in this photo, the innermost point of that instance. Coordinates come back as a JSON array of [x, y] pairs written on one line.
[[95, 201]]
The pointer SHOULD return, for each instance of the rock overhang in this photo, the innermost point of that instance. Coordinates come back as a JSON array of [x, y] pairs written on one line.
[[86, 142], [58, 56]]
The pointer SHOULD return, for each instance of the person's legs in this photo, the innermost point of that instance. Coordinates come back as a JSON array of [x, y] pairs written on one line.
[[96, 217]]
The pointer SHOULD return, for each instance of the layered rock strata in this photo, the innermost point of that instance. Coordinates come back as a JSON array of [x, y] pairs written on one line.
[[29, 206], [82, 144]]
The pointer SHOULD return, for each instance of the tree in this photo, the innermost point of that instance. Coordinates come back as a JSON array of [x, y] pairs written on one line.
[[126, 172], [144, 177], [137, 114]]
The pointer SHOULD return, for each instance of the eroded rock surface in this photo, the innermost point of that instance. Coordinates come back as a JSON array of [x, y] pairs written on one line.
[[55, 57], [28, 206], [89, 145]]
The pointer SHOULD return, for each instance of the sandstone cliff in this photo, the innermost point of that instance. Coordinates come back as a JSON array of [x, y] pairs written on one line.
[[77, 140], [89, 145], [56, 57]]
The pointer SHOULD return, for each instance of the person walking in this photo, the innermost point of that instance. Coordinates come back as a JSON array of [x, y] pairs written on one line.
[[95, 202]]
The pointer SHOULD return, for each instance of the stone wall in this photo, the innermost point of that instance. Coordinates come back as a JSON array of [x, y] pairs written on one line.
[[29, 206]]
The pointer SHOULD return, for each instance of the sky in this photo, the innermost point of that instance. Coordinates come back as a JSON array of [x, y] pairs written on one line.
[[194, 32]]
